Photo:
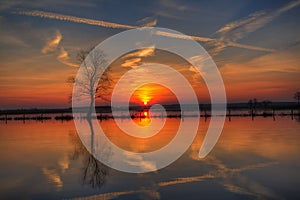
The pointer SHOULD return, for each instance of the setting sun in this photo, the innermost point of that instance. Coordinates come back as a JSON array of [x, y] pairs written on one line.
[[145, 103]]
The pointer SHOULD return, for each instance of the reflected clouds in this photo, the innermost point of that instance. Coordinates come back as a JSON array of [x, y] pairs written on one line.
[[137, 160], [229, 178], [54, 177]]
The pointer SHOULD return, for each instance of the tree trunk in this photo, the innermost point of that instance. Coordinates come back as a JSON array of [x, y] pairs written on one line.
[[92, 102]]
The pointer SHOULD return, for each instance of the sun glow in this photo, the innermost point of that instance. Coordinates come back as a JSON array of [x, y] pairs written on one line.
[[150, 94], [145, 114]]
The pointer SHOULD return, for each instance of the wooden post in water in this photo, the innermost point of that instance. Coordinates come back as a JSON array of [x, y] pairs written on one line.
[[292, 114]]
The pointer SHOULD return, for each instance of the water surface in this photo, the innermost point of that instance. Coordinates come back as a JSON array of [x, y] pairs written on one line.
[[253, 159]]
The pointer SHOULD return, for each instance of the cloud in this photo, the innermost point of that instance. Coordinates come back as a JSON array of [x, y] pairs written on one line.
[[51, 15], [4, 5], [166, 14], [186, 37], [234, 31], [53, 177], [227, 35], [8, 39], [64, 58], [138, 161], [263, 65], [113, 195], [134, 59], [218, 43], [107, 196], [252, 18], [133, 62], [238, 29], [186, 180], [145, 52], [196, 74], [52, 43], [148, 22], [175, 5], [245, 46], [64, 163], [231, 180]]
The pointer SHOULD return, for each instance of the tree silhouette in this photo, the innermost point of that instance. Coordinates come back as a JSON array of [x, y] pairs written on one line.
[[252, 106], [87, 82], [265, 105], [94, 173]]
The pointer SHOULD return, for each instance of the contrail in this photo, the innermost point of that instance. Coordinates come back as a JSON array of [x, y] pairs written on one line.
[[207, 39], [179, 36], [50, 15], [245, 46], [57, 16]]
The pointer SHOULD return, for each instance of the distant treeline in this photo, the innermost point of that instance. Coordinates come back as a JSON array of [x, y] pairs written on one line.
[[174, 107]]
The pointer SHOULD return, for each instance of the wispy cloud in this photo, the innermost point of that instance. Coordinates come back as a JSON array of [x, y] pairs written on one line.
[[234, 31], [186, 180], [51, 15], [147, 22], [227, 35], [145, 52], [54, 177], [134, 59], [231, 180], [242, 23], [8, 39], [175, 5], [238, 29], [218, 43], [64, 58], [112, 195], [8, 4], [133, 62], [138, 161], [178, 36], [52, 43]]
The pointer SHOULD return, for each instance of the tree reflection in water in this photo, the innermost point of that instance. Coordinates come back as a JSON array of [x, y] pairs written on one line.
[[94, 173]]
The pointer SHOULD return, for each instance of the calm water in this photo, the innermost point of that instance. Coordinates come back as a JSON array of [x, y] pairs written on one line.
[[257, 159]]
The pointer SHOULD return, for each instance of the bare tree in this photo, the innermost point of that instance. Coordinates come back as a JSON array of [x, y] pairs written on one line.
[[93, 70], [297, 97], [94, 173], [93, 81]]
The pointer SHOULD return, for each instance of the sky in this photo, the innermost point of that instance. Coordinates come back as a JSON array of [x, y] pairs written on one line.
[[255, 45]]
